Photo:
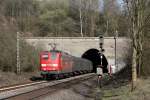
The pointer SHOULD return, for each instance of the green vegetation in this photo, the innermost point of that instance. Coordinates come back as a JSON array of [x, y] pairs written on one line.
[[65, 17]]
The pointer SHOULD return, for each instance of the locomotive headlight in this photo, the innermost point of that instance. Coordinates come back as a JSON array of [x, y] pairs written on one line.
[[54, 65], [43, 65], [44, 68]]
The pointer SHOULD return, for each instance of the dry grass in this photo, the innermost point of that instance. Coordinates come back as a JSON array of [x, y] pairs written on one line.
[[142, 91], [10, 78]]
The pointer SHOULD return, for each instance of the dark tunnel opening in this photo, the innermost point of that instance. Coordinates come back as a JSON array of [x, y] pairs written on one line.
[[94, 56]]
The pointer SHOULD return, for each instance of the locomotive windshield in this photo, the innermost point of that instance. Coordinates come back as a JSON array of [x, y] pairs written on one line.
[[45, 56], [53, 55]]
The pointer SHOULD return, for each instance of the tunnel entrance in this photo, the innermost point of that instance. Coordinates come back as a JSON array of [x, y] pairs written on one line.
[[93, 55]]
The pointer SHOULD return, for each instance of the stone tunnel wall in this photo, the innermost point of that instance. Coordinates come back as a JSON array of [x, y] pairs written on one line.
[[76, 46]]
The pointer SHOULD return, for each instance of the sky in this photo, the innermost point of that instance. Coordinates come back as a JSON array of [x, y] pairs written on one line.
[[120, 2], [101, 4]]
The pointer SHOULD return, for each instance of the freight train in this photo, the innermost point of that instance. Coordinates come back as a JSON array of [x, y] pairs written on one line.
[[55, 63]]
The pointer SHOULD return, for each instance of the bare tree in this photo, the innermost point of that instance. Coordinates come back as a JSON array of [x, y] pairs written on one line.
[[136, 13], [111, 12], [88, 15]]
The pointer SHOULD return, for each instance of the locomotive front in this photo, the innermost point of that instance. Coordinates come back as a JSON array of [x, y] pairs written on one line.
[[49, 63]]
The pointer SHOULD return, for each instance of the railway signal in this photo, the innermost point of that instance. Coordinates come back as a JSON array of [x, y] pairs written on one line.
[[101, 42], [99, 69]]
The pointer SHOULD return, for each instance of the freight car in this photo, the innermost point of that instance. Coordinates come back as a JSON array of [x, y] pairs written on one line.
[[56, 63]]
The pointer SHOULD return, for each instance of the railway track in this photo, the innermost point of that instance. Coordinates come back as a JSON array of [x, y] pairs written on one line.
[[6, 88], [37, 89]]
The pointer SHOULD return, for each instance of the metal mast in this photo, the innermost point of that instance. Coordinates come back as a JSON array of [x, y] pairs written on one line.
[[18, 54], [81, 27], [115, 37]]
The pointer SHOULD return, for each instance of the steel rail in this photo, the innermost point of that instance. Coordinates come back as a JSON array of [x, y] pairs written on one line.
[[37, 86], [20, 86]]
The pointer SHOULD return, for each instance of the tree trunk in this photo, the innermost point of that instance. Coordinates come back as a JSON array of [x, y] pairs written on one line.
[[134, 71], [135, 44], [92, 26]]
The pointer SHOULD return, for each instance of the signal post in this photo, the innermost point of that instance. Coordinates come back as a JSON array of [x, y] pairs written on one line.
[[99, 69]]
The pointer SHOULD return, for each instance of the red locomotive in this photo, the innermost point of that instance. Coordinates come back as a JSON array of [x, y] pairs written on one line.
[[56, 63]]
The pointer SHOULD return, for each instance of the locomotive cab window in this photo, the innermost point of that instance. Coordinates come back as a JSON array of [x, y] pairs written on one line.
[[53, 55], [45, 56]]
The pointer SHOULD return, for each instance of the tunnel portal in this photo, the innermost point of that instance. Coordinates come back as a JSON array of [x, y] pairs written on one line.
[[94, 56]]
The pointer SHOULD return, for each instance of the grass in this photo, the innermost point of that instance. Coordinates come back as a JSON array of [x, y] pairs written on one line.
[[142, 91]]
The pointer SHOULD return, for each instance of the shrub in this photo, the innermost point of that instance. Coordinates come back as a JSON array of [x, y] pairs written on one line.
[[28, 54], [29, 57]]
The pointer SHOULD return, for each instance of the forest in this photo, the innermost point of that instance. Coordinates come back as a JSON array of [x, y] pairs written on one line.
[[72, 18], [65, 17]]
